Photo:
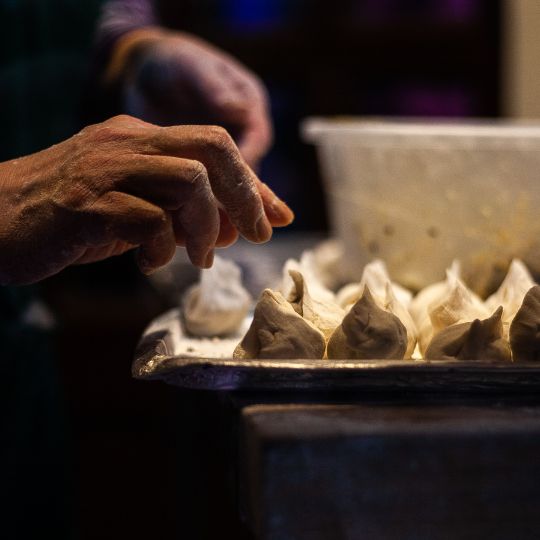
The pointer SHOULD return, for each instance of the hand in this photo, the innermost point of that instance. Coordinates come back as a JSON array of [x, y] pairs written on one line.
[[127, 184], [175, 78]]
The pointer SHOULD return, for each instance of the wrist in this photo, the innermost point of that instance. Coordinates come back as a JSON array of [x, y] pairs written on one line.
[[127, 47]]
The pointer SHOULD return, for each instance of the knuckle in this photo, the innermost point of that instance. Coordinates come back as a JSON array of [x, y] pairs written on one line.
[[108, 133], [220, 140], [120, 118], [157, 220], [115, 129]]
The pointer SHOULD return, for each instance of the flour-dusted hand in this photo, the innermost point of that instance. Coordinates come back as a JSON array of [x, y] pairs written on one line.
[[173, 77], [127, 184]]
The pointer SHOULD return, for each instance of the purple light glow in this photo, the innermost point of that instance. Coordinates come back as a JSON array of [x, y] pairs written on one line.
[[451, 102], [462, 10], [392, 10]]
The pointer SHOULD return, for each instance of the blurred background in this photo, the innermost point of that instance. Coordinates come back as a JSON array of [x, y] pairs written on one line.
[[421, 58]]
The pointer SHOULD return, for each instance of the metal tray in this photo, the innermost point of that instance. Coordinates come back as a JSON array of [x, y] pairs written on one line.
[[157, 358]]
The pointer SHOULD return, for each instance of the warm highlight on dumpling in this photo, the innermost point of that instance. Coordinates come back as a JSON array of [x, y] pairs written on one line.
[[278, 332], [525, 328], [324, 315], [476, 340], [459, 305], [368, 332], [510, 295]]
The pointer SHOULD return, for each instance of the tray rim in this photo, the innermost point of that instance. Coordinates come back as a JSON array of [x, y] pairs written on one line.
[[154, 360]]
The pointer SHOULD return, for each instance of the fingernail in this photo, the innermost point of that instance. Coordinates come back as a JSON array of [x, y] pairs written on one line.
[[150, 271], [286, 214], [209, 260], [146, 269], [263, 229]]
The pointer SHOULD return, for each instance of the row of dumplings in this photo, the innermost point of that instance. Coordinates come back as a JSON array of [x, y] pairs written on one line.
[[378, 319]]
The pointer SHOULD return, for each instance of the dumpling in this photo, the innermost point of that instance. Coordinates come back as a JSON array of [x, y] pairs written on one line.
[[510, 295], [306, 266], [476, 340], [376, 277], [393, 305], [328, 260], [433, 294], [349, 294], [218, 304], [525, 328], [459, 305], [324, 315], [278, 332], [388, 296], [368, 332]]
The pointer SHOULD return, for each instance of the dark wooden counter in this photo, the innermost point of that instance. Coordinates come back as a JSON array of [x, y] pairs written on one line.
[[391, 471]]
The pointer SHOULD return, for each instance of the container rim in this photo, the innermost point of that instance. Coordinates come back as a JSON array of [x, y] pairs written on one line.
[[315, 128]]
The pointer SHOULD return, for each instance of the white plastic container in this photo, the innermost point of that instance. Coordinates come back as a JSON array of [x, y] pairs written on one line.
[[419, 195]]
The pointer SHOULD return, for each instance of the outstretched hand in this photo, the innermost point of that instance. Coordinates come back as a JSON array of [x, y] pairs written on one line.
[[127, 184]]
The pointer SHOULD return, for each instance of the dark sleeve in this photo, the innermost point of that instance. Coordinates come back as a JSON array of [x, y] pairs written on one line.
[[119, 17]]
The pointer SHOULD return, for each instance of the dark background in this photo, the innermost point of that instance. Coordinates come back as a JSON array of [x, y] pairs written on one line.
[[126, 468]]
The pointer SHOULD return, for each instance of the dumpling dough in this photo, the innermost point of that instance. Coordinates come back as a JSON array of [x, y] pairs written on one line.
[[459, 305], [328, 260], [368, 332], [510, 295], [278, 332], [387, 295], [393, 305], [476, 340], [433, 294], [376, 277], [324, 315], [525, 328], [307, 266], [218, 304]]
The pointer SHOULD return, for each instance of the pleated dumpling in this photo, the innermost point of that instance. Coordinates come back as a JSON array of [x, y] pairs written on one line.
[[525, 328], [368, 332], [459, 305], [432, 294], [510, 295], [218, 304], [323, 314], [393, 305], [475, 340], [376, 277], [278, 332], [327, 259], [308, 268], [388, 295]]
